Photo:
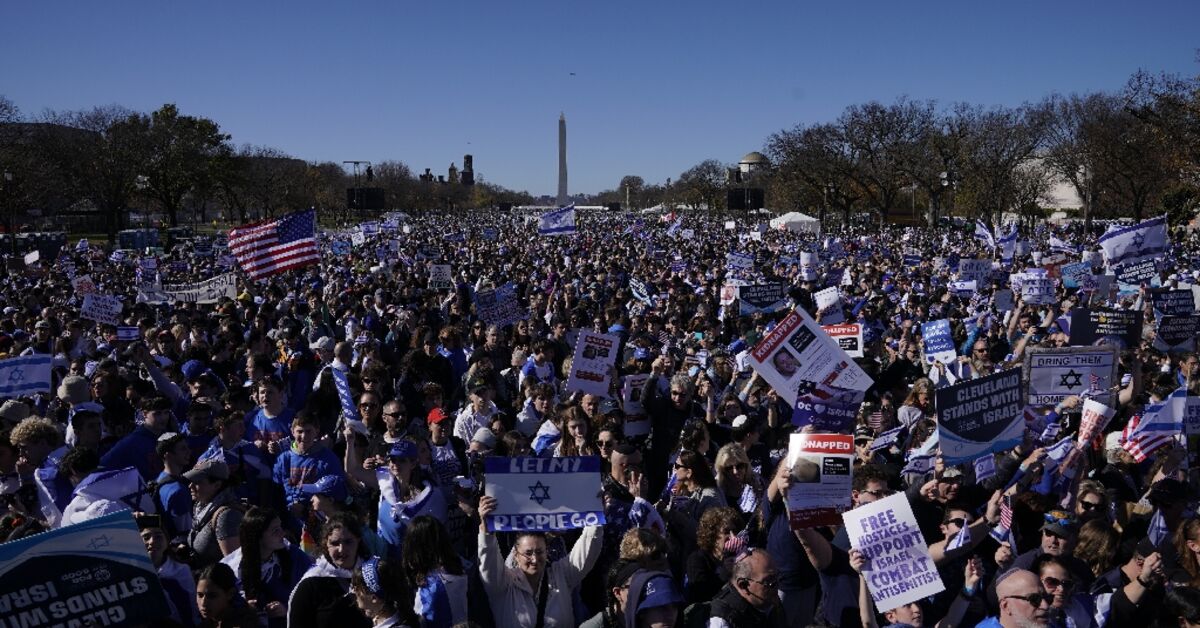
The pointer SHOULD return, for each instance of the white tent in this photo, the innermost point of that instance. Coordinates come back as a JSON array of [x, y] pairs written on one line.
[[798, 222]]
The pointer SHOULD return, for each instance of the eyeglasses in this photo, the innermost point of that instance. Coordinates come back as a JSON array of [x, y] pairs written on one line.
[[960, 522], [733, 467], [1051, 583], [1090, 505], [1034, 599], [680, 466], [878, 493], [605, 444], [368, 404], [368, 380], [539, 553], [394, 414]]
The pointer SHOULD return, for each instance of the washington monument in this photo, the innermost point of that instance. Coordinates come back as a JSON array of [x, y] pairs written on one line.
[[562, 160]]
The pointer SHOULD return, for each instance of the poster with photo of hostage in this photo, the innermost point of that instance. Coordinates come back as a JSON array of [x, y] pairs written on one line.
[[798, 350]]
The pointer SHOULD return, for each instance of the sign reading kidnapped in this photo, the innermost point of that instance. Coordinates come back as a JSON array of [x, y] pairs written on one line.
[[107, 581], [544, 493], [981, 415]]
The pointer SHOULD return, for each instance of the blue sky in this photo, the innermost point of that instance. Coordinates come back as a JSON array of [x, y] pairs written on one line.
[[658, 86]]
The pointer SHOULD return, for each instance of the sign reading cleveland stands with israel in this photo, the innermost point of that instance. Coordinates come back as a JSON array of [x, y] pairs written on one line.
[[544, 493]]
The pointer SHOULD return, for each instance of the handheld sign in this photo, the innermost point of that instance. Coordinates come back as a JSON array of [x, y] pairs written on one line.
[[92, 573], [1053, 374], [848, 336], [899, 569], [939, 345], [591, 367], [982, 415], [541, 494], [799, 350], [101, 308], [440, 277], [821, 473]]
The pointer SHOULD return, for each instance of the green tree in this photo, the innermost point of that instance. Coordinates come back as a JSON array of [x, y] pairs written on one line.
[[702, 185], [181, 150]]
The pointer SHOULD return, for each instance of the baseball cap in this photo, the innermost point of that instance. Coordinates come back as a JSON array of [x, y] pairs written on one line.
[[210, 468], [609, 406], [436, 415], [332, 486], [193, 369], [324, 343], [405, 449], [485, 437], [1059, 523], [659, 591], [863, 432], [42, 324]]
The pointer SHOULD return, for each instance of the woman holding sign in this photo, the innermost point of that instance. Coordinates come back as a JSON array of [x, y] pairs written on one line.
[[535, 593]]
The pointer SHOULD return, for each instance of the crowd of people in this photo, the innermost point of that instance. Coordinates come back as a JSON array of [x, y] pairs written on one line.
[[272, 507]]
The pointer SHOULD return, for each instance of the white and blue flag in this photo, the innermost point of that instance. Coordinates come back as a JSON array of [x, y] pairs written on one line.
[[349, 411], [544, 493], [1128, 245], [106, 492], [546, 438], [25, 375], [558, 222], [1008, 244], [982, 232]]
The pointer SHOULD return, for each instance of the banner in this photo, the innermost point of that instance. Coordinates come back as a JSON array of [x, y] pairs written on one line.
[[1054, 374], [976, 270], [558, 222], [1174, 302], [1094, 326], [1176, 333], [799, 350], [829, 305], [739, 261], [592, 366], [542, 494], [25, 375], [499, 306], [101, 308], [979, 416], [441, 277], [641, 291], [1038, 290], [821, 474], [899, 569], [765, 298], [1095, 418], [208, 291], [848, 336], [826, 408], [94, 573], [1073, 274], [938, 343]]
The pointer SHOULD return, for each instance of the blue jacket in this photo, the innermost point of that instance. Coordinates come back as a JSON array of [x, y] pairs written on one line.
[[135, 450], [293, 469]]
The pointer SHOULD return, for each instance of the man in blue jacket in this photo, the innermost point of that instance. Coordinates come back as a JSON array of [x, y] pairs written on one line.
[[137, 449]]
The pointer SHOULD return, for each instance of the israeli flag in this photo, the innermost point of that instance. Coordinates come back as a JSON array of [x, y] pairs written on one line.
[[546, 438], [1008, 245], [558, 222], [985, 467], [982, 232], [544, 493], [887, 439], [962, 539], [349, 411], [674, 228], [1059, 246], [1158, 531], [1128, 245], [106, 492], [25, 375]]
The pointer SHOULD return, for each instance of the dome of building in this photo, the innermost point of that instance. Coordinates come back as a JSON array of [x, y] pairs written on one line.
[[755, 158]]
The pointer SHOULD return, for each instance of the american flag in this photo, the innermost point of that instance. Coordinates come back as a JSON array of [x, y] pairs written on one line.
[[1003, 531], [1156, 427], [270, 247], [875, 420]]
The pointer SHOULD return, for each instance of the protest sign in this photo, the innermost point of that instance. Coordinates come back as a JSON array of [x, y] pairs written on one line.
[[631, 395], [730, 225], [729, 293], [799, 350], [83, 285], [591, 368], [32, 257], [542, 494], [809, 265], [341, 248], [688, 234], [938, 343], [898, 569], [826, 408], [1173, 302], [1004, 300], [1038, 290], [821, 473], [1106, 326], [357, 238], [1095, 418], [93, 573], [1073, 274], [848, 336], [1053, 374], [499, 306], [440, 277], [1137, 273], [101, 308], [641, 291], [829, 306], [208, 291], [981, 415], [976, 270], [765, 298], [1176, 333]]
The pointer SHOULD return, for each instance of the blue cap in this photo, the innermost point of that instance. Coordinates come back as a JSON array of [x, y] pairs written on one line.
[[641, 353], [193, 369], [332, 486], [736, 346], [659, 591], [403, 449]]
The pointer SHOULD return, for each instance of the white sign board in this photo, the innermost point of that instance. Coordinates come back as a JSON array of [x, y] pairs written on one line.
[[798, 350], [898, 569], [592, 366], [101, 308]]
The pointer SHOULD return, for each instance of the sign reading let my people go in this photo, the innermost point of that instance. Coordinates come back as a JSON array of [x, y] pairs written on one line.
[[544, 493]]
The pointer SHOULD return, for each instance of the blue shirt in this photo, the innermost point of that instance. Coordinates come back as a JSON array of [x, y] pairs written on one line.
[[293, 469], [259, 426], [176, 503], [135, 450]]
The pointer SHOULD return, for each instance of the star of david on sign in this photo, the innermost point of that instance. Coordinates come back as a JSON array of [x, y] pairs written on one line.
[[99, 542], [1071, 379], [16, 376], [539, 488]]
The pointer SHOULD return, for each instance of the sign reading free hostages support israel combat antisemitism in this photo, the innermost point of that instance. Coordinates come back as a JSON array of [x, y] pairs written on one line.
[[543, 493]]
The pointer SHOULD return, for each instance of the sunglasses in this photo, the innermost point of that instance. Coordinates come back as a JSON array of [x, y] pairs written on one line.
[[606, 443], [680, 466], [394, 414], [1054, 583], [1090, 505], [959, 521], [368, 404], [1035, 599], [733, 467]]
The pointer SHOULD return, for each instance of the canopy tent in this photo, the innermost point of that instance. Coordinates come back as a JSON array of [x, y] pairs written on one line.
[[798, 222]]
